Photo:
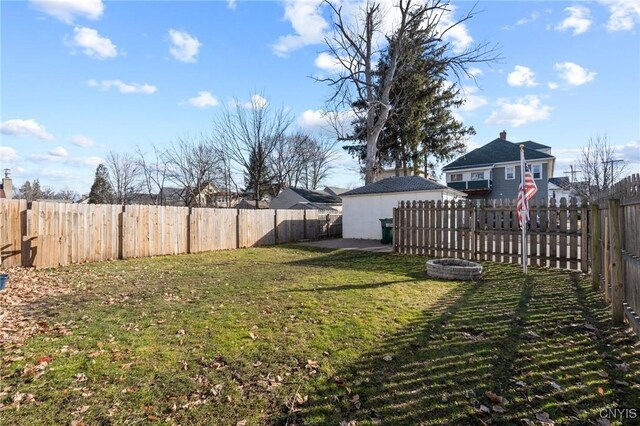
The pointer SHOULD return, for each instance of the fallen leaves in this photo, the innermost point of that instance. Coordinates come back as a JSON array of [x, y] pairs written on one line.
[[28, 288], [80, 378], [496, 399], [312, 367], [543, 417], [20, 399]]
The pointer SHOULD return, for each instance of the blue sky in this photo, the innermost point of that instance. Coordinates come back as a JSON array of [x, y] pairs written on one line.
[[82, 77]]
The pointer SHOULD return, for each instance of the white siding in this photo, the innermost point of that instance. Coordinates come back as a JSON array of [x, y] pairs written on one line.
[[361, 214]]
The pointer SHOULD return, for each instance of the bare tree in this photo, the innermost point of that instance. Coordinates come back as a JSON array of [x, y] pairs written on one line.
[[124, 172], [153, 171], [318, 161], [288, 158], [357, 47], [248, 133], [193, 165], [599, 168]]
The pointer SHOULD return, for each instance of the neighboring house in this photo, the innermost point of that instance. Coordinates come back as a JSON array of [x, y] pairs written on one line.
[[362, 208], [6, 187], [560, 187], [251, 204], [290, 197], [386, 173], [334, 190], [493, 170]]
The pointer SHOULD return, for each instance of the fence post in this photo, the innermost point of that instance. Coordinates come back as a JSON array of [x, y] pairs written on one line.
[[238, 228], [395, 230], [584, 245], [121, 233], [275, 225], [472, 232], [596, 253], [617, 290], [189, 236]]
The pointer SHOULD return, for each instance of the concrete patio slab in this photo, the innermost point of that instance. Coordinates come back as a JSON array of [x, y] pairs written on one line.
[[350, 244]]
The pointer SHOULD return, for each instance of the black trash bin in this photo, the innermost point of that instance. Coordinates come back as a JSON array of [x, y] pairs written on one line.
[[387, 229]]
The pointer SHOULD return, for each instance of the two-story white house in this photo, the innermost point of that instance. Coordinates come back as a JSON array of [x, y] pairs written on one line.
[[493, 170]]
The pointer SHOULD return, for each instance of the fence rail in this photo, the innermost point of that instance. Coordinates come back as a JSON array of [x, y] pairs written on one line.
[[557, 234], [47, 234]]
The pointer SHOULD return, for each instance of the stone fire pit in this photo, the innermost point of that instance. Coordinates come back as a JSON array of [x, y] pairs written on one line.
[[454, 269]]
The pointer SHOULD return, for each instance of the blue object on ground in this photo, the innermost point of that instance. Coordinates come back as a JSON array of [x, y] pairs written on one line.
[[3, 280]]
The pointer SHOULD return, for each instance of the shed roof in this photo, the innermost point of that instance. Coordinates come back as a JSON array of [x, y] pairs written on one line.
[[316, 196], [561, 182], [398, 184]]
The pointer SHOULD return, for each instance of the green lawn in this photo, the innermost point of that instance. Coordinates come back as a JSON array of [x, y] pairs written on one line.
[[302, 336]]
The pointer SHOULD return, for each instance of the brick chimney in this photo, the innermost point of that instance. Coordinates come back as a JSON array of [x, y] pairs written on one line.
[[503, 135], [7, 184]]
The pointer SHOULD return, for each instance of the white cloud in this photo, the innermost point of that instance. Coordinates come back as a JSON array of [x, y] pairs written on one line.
[[59, 152], [92, 43], [474, 72], [574, 74], [625, 14], [231, 4], [457, 35], [522, 21], [327, 62], [524, 110], [310, 26], [521, 76], [85, 161], [145, 88], [307, 22], [473, 101], [256, 102], [203, 100], [29, 127], [534, 15], [630, 152], [184, 47], [553, 85], [8, 154], [83, 141], [68, 10], [318, 120], [55, 157], [579, 20], [313, 119]]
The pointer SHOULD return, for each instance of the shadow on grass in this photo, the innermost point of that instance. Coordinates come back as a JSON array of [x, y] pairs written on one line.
[[526, 338], [363, 261]]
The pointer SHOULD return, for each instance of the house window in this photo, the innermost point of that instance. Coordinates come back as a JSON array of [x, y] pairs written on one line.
[[509, 173], [536, 171], [477, 175], [455, 177]]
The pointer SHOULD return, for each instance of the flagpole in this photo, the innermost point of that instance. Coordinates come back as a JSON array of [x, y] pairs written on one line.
[[524, 212]]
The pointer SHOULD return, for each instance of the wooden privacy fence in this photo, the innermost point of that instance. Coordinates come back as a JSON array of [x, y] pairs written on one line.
[[47, 234], [489, 230], [615, 242]]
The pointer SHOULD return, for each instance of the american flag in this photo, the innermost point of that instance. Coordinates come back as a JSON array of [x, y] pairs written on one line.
[[524, 195]]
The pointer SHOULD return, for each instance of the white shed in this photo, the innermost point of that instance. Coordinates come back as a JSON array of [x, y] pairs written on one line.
[[362, 208]]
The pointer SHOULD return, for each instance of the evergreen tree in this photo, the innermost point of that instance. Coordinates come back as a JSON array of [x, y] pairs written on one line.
[[36, 191], [101, 190], [421, 130], [257, 177], [25, 191]]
